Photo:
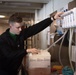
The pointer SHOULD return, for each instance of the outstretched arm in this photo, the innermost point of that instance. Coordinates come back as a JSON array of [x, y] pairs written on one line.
[[32, 30]]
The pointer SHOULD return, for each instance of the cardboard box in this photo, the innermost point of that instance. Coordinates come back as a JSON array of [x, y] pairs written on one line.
[[71, 5], [39, 71]]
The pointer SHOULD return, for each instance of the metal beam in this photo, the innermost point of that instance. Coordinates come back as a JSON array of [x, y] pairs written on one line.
[[19, 7], [35, 1], [16, 10]]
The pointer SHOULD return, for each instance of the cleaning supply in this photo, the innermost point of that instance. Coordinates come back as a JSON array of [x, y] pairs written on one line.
[[58, 68], [67, 71], [39, 64]]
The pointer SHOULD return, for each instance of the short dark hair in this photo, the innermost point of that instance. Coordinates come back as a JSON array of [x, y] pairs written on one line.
[[15, 18]]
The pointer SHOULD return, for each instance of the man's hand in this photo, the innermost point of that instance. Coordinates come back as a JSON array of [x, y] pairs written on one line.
[[58, 15], [33, 51]]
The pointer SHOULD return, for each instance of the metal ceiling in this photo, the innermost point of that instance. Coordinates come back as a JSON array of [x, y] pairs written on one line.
[[26, 8]]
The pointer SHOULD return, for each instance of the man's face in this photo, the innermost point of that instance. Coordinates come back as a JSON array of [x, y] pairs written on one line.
[[15, 28]]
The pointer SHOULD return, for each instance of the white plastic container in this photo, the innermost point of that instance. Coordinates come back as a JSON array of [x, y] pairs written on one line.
[[39, 64]]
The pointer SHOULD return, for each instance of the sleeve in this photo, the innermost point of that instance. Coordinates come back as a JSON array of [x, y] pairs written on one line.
[[7, 52], [36, 28]]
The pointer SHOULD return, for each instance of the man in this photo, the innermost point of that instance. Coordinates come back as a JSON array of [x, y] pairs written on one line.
[[12, 43]]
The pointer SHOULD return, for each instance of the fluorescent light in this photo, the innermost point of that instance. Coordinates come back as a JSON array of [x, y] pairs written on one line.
[[2, 16]]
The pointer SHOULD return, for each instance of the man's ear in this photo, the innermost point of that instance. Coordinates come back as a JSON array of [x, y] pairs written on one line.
[[10, 25]]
